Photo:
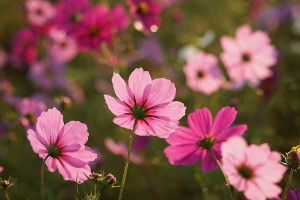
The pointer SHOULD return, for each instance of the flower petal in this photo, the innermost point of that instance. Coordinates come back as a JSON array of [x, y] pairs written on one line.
[[125, 121], [208, 162], [200, 122], [116, 106], [122, 90], [73, 132], [232, 131], [37, 144], [183, 154], [222, 120], [182, 136]]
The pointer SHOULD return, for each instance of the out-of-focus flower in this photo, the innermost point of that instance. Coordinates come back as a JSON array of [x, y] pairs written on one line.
[[268, 85], [1, 169], [40, 12], [207, 38], [168, 3], [187, 51], [120, 18], [62, 145], [151, 50], [146, 103], [120, 148], [189, 145], [178, 16], [48, 74], [30, 109], [202, 73], [24, 47], [249, 56], [96, 27], [62, 47], [3, 58], [140, 142], [146, 15], [253, 170], [69, 13]]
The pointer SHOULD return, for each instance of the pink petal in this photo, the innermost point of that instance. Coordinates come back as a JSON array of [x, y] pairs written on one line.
[[229, 44], [208, 162], [142, 129], [73, 132], [293, 195], [49, 124], [233, 150], [269, 189], [36, 144], [162, 128], [182, 136], [254, 192], [116, 106], [162, 91], [200, 122], [183, 154], [232, 131], [222, 120], [75, 162], [125, 121], [122, 90], [85, 154], [51, 164], [173, 111], [140, 83]]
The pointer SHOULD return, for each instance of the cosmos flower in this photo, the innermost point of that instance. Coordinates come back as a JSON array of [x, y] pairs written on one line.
[[253, 170], [62, 47], [146, 15], [40, 12], [120, 18], [249, 56], [147, 103], [1, 169], [3, 58], [62, 145], [189, 145], [202, 73]]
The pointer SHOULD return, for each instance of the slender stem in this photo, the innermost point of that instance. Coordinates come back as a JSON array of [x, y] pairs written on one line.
[[42, 179], [221, 168], [127, 161], [95, 189], [6, 195], [287, 185]]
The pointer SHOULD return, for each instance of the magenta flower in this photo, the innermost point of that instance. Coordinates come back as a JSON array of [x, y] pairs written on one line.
[[3, 58], [120, 18], [189, 145], [249, 56], [62, 47], [253, 170], [40, 12], [96, 27], [147, 102], [202, 73], [1, 169], [120, 148], [25, 46], [62, 146], [146, 15]]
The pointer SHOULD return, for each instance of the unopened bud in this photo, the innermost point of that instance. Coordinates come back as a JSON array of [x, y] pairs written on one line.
[[4, 184], [64, 102], [292, 157], [96, 175], [111, 178]]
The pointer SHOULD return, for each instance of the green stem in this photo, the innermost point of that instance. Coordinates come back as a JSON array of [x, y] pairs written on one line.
[[95, 189], [287, 185], [221, 168], [6, 195], [127, 161]]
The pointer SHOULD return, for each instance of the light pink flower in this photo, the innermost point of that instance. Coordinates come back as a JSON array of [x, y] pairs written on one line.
[[146, 101], [249, 56], [253, 170], [40, 12], [189, 145], [120, 148], [202, 73], [62, 145], [62, 47]]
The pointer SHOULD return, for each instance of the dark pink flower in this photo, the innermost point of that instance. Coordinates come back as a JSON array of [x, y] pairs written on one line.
[[95, 27], [203, 73], [293, 195], [62, 145], [253, 170], [189, 145], [3, 58], [249, 56], [146, 15], [25, 46], [40, 12], [147, 102], [140, 142], [120, 18]]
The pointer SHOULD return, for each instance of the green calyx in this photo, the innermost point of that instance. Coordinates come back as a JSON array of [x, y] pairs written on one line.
[[139, 112], [53, 150], [207, 143], [245, 172]]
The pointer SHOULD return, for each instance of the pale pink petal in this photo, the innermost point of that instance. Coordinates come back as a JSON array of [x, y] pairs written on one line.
[[140, 83], [253, 192], [232, 131], [183, 154], [142, 128], [85, 154], [116, 106], [162, 128], [51, 164], [36, 144], [228, 44], [233, 150], [222, 120], [122, 90], [200, 122], [125, 121], [269, 189], [267, 171], [173, 111], [73, 132]]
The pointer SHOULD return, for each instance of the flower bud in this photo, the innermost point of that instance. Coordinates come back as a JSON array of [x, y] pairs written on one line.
[[292, 157], [4, 184], [63, 102], [96, 175], [111, 178]]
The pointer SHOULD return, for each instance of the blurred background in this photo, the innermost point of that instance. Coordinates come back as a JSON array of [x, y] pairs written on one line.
[[36, 75]]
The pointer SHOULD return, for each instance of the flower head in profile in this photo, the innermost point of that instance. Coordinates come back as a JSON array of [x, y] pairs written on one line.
[[148, 104], [62, 145], [202, 73], [40, 12], [189, 145], [253, 170], [146, 15], [249, 56]]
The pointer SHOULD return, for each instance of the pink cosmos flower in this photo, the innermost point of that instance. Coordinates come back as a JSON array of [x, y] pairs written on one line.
[[120, 148], [3, 58], [253, 170], [25, 46], [1, 169], [202, 73], [146, 15], [30, 109], [62, 47], [249, 56], [189, 145], [147, 103], [62, 145], [96, 27], [40, 12], [120, 18]]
